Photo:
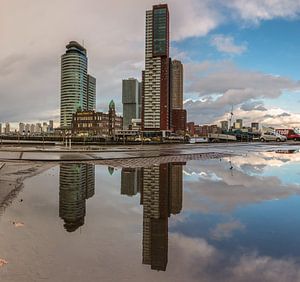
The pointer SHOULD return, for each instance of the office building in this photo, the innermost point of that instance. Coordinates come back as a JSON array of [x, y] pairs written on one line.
[[156, 77], [131, 99], [177, 84], [73, 83], [91, 93]]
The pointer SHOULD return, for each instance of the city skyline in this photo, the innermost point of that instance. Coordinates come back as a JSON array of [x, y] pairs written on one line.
[[245, 46]]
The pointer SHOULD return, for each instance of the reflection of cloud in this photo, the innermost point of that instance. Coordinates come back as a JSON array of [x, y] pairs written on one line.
[[193, 258], [225, 230], [272, 159], [230, 189], [255, 268]]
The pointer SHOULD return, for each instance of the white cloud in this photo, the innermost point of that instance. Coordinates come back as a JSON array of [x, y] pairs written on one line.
[[226, 230], [226, 44], [225, 85], [257, 10]]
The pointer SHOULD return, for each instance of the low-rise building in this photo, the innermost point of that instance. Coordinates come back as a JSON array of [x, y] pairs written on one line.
[[91, 123]]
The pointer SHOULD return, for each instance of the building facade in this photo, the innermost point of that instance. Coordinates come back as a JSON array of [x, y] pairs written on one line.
[[177, 84], [91, 93], [131, 99], [91, 123], [179, 120], [156, 78]]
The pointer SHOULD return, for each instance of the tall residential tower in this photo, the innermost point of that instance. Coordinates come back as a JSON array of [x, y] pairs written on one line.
[[156, 88]]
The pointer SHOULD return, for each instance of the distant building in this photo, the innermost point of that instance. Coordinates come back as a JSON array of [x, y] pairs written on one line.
[[38, 128], [179, 120], [91, 93], [255, 126], [27, 129], [224, 125], [177, 84], [238, 124], [32, 129], [21, 128], [7, 128], [0, 128], [50, 126], [131, 99], [191, 128]]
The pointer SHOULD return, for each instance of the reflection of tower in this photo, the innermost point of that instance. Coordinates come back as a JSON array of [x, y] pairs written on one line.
[[90, 180], [161, 195], [76, 184], [131, 181], [176, 180]]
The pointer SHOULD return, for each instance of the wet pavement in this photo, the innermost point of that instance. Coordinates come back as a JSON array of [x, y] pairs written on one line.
[[125, 152], [234, 218]]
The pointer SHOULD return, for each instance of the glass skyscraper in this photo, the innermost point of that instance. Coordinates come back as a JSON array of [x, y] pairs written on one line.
[[73, 82]]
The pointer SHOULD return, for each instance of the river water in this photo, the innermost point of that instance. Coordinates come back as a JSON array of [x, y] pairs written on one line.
[[230, 219]]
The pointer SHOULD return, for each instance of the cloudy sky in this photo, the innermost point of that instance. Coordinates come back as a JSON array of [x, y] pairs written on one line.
[[236, 53]]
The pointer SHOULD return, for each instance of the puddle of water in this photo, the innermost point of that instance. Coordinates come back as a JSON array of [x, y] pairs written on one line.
[[231, 219]]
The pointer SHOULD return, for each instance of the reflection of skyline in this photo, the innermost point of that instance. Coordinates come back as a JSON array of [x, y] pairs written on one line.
[[161, 195], [76, 185]]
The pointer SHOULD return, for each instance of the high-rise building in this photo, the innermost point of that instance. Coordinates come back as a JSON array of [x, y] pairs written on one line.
[[156, 82], [73, 82], [131, 99], [177, 84], [91, 93]]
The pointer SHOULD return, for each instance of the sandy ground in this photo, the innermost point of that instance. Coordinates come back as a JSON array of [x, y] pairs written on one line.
[[12, 176]]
